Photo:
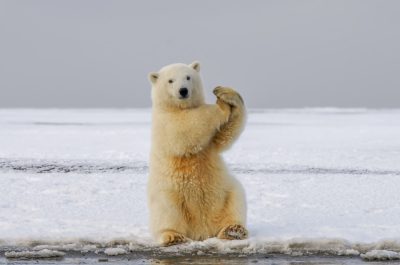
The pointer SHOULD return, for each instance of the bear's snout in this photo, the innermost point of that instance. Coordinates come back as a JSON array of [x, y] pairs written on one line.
[[184, 92]]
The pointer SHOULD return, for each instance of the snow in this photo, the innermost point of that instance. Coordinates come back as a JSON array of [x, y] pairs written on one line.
[[381, 255], [115, 251], [318, 181], [42, 254]]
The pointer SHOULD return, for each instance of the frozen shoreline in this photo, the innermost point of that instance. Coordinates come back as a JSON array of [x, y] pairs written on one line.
[[307, 247], [216, 260]]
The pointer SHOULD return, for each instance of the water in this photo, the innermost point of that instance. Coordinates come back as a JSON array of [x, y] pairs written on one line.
[[270, 260]]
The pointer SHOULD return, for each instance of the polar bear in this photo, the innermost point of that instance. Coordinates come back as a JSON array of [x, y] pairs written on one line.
[[191, 194]]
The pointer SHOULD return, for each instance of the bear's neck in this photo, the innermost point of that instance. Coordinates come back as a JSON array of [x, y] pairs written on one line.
[[176, 107]]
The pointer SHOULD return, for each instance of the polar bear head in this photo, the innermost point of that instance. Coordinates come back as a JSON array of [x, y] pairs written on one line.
[[177, 86]]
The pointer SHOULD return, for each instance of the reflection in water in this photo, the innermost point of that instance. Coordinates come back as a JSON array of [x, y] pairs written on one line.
[[202, 261], [281, 260], [259, 260]]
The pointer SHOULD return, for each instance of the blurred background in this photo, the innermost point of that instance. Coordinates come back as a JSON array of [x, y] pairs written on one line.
[[278, 54]]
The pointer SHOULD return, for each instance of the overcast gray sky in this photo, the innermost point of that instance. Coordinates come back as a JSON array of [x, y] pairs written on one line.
[[97, 53]]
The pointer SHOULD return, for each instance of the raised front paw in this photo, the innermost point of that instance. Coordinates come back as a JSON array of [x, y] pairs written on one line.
[[169, 238], [229, 96], [232, 232]]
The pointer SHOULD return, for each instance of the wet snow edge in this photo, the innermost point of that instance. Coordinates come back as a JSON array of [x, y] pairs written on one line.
[[382, 250]]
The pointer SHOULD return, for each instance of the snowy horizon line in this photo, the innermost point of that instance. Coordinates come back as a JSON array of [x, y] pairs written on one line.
[[249, 109]]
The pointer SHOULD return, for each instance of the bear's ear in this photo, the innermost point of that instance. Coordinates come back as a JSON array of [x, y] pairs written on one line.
[[195, 65], [153, 77]]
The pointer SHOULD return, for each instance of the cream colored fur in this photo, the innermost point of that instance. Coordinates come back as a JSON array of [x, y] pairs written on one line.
[[191, 194]]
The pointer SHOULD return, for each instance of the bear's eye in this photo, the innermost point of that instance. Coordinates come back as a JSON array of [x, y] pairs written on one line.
[[188, 78], [170, 81]]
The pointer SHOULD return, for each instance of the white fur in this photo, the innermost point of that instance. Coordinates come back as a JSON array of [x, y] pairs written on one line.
[[190, 192]]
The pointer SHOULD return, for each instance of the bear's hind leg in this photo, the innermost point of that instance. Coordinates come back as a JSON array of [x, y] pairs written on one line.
[[231, 220], [166, 221], [171, 237], [233, 232]]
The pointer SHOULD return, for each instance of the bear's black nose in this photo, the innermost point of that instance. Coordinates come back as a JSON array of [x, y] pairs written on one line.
[[183, 92]]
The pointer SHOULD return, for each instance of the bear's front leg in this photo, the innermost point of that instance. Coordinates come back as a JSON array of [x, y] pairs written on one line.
[[192, 130], [231, 130], [229, 96]]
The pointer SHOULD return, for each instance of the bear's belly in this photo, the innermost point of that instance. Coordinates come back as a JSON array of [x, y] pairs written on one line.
[[197, 188], [200, 210]]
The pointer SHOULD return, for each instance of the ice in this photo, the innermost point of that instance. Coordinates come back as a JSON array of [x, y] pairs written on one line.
[[381, 255], [318, 181]]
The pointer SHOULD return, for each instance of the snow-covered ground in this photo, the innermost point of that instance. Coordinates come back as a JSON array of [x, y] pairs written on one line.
[[318, 181]]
